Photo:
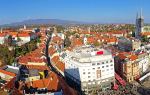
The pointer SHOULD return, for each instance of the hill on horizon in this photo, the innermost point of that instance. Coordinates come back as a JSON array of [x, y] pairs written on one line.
[[43, 21]]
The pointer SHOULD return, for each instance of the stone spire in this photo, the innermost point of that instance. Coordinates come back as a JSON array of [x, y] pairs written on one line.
[[137, 15], [141, 14]]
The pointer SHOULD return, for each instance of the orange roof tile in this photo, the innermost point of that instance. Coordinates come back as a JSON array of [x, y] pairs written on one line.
[[51, 83], [55, 59], [133, 57], [77, 42], [61, 66], [37, 67], [23, 34], [145, 33], [2, 34], [7, 73]]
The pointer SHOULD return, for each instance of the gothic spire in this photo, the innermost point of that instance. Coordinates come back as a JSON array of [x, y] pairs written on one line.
[[141, 15], [137, 16]]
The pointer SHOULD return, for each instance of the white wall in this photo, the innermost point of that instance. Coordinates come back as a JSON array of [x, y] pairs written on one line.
[[87, 71], [2, 40], [25, 39]]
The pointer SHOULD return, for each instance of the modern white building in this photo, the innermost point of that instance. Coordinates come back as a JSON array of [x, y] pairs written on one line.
[[143, 59], [90, 67]]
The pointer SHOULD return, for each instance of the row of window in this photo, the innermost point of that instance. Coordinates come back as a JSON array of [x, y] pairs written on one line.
[[104, 66], [101, 63], [102, 71]]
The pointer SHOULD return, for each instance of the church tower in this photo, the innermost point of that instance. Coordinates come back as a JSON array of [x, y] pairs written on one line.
[[139, 25]]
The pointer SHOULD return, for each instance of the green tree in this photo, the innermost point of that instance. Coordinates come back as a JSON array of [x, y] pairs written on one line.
[[96, 43], [18, 39], [133, 34], [144, 38], [67, 42]]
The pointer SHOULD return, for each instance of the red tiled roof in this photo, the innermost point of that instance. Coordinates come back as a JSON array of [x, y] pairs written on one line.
[[23, 34], [7, 73], [61, 66], [10, 84], [91, 40], [2, 34], [51, 51], [37, 67], [14, 34], [76, 42], [51, 83], [145, 33], [133, 57], [55, 59]]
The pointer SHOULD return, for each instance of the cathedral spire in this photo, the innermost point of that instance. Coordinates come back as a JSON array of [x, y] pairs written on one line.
[[137, 15], [141, 15]]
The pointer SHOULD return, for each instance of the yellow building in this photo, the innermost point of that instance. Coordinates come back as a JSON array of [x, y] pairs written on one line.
[[127, 66]]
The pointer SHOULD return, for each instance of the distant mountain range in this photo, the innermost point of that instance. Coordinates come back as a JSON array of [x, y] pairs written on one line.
[[43, 21], [52, 21]]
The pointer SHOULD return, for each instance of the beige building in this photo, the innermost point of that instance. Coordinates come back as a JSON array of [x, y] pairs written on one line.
[[127, 66]]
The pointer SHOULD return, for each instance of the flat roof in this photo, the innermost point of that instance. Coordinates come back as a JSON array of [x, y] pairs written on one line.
[[86, 54]]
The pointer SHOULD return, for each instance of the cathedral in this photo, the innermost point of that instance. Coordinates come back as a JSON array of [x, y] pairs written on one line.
[[141, 29], [139, 25]]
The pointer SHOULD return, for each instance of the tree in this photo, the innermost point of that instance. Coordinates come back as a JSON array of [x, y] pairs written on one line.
[[96, 43], [133, 34], [18, 39], [67, 42], [59, 28], [144, 38]]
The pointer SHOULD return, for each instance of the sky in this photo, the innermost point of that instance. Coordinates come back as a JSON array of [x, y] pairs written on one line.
[[104, 11]]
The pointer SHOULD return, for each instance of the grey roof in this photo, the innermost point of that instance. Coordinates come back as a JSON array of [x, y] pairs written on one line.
[[12, 70], [33, 72]]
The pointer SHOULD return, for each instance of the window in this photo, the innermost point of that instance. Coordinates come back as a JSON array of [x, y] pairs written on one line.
[[98, 68], [111, 65], [107, 66], [83, 72], [110, 60], [88, 72], [88, 76], [102, 62], [93, 64], [93, 68], [98, 63], [102, 66]]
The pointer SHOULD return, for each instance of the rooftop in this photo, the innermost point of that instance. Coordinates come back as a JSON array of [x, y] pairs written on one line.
[[85, 54]]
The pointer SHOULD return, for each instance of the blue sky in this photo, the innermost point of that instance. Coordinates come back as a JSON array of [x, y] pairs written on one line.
[[107, 11]]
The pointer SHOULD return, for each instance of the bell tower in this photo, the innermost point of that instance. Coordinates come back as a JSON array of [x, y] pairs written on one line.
[[139, 25]]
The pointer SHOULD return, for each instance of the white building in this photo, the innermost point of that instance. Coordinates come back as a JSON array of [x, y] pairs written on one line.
[[2, 39], [90, 67]]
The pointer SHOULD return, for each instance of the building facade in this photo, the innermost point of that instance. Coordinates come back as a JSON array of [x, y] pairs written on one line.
[[91, 68], [127, 66], [126, 44]]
